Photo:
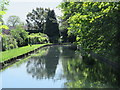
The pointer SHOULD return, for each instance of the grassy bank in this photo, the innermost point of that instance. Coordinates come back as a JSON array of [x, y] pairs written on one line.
[[17, 51]]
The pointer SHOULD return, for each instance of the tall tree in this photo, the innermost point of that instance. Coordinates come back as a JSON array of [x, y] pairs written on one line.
[[35, 19], [13, 21], [52, 27], [44, 20]]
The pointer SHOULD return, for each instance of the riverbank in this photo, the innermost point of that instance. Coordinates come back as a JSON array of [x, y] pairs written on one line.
[[6, 55], [11, 56]]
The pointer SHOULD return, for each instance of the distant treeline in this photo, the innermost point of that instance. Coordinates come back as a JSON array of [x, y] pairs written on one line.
[[42, 27]]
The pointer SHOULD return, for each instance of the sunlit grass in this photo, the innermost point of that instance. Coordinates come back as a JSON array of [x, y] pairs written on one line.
[[17, 51]]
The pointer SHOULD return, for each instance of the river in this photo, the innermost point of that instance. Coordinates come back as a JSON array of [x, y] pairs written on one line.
[[59, 67]]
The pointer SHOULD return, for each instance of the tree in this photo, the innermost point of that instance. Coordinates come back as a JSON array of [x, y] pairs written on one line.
[[67, 13], [13, 21], [44, 20], [3, 3], [35, 19], [63, 30], [51, 27], [20, 35], [95, 25], [40, 67], [8, 42]]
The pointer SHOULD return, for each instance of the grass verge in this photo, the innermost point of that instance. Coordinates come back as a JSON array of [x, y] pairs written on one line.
[[17, 51]]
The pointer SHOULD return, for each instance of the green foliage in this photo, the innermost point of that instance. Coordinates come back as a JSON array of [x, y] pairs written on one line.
[[3, 27], [20, 35], [3, 3], [36, 18], [38, 38], [68, 11], [2, 12], [96, 25], [8, 42], [45, 21]]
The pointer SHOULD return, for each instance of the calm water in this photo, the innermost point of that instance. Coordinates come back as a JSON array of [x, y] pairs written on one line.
[[59, 67]]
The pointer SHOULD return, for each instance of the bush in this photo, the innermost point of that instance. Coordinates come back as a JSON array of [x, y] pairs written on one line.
[[20, 35], [38, 38], [8, 42]]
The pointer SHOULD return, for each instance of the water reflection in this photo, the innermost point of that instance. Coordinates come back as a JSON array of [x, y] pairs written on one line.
[[86, 74], [66, 66], [67, 52], [80, 71], [44, 66]]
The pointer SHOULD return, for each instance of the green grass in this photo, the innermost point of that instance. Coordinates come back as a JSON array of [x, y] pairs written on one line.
[[17, 51]]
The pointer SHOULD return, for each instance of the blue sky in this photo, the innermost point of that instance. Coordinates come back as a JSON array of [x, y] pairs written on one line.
[[22, 7]]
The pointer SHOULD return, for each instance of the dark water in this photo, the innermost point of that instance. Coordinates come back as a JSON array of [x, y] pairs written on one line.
[[59, 67]]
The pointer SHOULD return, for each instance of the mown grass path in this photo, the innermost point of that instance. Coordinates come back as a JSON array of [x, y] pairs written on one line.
[[6, 55]]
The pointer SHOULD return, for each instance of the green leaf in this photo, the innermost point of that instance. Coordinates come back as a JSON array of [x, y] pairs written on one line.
[[2, 12]]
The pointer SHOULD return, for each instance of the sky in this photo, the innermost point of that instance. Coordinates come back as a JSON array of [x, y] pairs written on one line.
[[22, 7]]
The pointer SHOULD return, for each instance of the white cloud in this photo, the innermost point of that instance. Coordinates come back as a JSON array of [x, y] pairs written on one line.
[[36, 0]]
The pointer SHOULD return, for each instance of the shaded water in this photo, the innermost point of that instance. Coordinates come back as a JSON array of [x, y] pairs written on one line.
[[59, 67]]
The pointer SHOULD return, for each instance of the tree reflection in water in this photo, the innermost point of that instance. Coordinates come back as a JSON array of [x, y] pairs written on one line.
[[84, 74], [80, 72], [44, 66]]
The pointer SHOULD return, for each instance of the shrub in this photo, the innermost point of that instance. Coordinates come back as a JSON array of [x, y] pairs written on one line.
[[20, 35], [8, 42], [38, 38]]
